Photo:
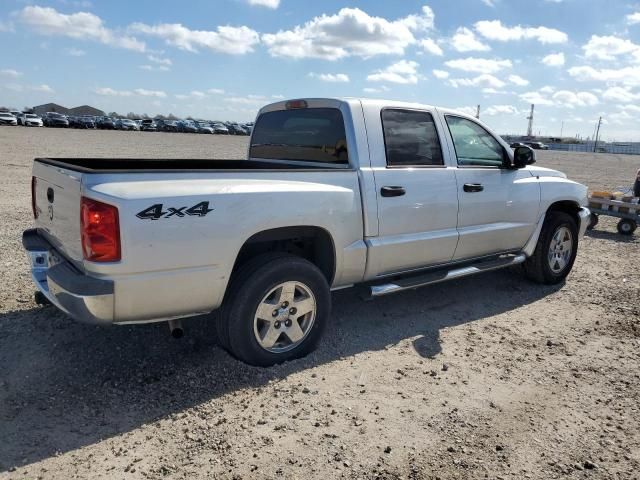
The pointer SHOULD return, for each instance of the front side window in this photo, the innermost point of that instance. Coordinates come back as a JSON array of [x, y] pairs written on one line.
[[474, 145], [306, 134], [410, 138]]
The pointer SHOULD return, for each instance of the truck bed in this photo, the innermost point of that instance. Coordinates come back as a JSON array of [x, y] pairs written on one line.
[[152, 165]]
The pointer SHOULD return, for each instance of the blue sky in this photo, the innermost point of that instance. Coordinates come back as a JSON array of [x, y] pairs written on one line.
[[223, 59]]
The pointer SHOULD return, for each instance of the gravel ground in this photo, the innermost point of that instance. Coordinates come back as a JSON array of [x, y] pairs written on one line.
[[485, 377]]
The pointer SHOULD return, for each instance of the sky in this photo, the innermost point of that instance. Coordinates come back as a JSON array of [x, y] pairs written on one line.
[[576, 60]]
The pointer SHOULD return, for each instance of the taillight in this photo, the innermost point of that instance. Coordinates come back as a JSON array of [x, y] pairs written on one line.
[[100, 231]]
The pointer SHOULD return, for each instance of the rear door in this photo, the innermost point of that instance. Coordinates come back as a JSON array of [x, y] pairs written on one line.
[[57, 194], [498, 205], [416, 192]]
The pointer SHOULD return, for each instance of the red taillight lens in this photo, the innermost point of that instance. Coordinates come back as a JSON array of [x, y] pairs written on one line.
[[100, 231], [34, 206]]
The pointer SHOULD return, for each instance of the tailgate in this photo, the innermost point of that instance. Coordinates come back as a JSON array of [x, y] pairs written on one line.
[[57, 201]]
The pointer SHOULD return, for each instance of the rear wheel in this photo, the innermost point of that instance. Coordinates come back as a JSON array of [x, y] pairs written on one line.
[[593, 221], [627, 227], [556, 250], [275, 310]]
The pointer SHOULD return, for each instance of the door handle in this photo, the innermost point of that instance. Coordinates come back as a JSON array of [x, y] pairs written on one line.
[[473, 187], [392, 191]]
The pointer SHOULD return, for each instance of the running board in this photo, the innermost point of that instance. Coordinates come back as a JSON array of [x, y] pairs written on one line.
[[410, 283]]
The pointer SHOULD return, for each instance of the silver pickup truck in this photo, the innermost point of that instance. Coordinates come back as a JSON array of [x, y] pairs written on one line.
[[334, 192]]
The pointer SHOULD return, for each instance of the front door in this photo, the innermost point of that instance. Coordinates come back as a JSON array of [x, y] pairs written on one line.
[[498, 205]]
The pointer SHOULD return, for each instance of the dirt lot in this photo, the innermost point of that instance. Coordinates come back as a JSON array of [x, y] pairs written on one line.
[[485, 377]]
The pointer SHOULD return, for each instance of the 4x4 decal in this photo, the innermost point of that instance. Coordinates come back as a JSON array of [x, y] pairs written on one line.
[[156, 212]]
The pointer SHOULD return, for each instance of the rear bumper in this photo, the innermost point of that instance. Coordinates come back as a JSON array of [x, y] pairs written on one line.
[[86, 299]]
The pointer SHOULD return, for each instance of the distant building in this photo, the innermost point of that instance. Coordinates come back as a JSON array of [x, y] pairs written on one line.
[[50, 107], [86, 110], [54, 107]]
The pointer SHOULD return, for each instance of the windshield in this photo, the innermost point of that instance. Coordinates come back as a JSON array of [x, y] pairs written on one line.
[[31, 115]]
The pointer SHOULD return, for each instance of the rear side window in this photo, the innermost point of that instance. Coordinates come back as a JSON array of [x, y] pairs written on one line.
[[410, 138], [307, 135]]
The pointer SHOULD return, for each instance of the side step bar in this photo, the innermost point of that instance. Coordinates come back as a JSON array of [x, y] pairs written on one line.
[[410, 283]]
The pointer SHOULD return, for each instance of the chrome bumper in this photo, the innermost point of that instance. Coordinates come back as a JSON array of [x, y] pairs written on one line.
[[84, 298], [585, 217]]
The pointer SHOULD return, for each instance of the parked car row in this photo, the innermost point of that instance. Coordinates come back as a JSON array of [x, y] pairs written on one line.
[[534, 145], [54, 119]]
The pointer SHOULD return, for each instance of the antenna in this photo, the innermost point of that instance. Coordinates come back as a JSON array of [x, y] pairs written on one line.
[[478, 112], [530, 118]]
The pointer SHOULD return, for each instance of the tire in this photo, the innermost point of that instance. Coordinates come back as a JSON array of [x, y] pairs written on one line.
[[260, 284], [541, 267], [593, 221], [626, 227]]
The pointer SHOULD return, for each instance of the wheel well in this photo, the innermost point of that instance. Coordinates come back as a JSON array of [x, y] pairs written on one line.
[[566, 206], [312, 243]]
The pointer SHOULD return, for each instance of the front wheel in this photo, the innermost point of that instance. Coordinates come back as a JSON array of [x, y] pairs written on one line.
[[276, 309], [556, 250]]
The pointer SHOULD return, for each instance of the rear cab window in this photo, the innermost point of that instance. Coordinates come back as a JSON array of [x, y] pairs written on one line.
[[314, 135], [410, 138]]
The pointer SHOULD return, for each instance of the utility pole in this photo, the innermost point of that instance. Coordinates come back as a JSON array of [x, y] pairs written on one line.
[[561, 129], [530, 118], [595, 144], [478, 112]]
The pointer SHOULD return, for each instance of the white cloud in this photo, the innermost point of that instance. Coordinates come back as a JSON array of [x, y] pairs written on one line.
[[149, 93], [403, 72], [215, 91], [10, 72], [471, 111], [626, 75], [160, 60], [225, 39], [81, 25], [537, 98], [495, 30], [75, 52], [110, 92], [441, 74], [518, 80], [465, 40], [266, 3], [575, 99], [350, 32], [620, 94], [554, 60], [255, 100], [430, 46], [633, 18], [479, 65], [331, 77], [155, 68], [501, 110], [42, 88], [484, 80], [610, 47]]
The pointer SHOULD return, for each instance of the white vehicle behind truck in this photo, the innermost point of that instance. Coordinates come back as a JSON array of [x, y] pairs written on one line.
[[334, 193]]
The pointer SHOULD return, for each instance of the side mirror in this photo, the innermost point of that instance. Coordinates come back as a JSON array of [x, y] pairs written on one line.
[[523, 156]]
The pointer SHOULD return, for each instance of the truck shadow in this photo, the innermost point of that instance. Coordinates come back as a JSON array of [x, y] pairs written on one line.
[[615, 236], [65, 385]]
